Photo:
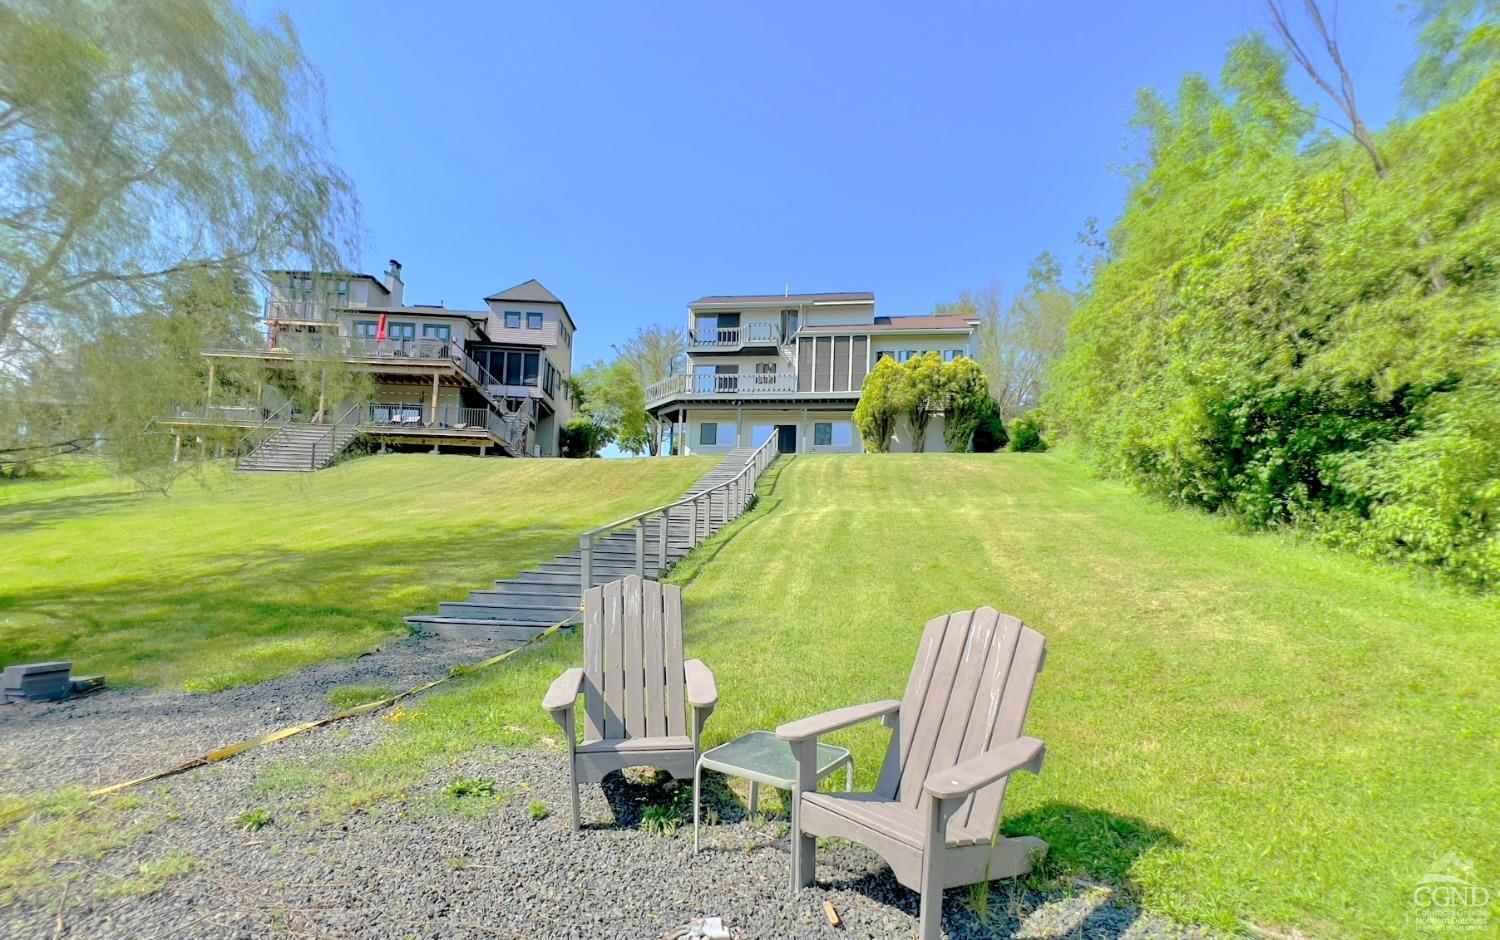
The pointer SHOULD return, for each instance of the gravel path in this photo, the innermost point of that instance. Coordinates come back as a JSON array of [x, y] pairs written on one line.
[[119, 734], [430, 866]]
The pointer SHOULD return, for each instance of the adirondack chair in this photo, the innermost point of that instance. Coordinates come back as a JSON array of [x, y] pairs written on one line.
[[935, 813], [633, 684]]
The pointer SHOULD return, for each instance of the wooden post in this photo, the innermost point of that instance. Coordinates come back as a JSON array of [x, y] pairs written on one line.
[[661, 547], [176, 446], [693, 524], [640, 548], [209, 398], [433, 417], [586, 569]]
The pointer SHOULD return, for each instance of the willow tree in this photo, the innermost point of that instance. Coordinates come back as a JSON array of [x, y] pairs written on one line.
[[141, 142]]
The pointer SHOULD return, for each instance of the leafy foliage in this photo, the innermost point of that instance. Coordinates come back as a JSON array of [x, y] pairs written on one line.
[[973, 416], [615, 401], [1026, 433], [925, 386], [879, 405], [582, 437], [1288, 336]]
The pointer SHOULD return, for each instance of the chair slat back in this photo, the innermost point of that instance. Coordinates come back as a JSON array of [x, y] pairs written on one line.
[[968, 693], [632, 661]]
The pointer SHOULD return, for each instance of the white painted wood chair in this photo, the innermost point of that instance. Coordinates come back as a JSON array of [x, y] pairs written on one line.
[[935, 813], [635, 686]]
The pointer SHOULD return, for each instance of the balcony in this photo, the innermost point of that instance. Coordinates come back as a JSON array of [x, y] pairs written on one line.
[[730, 338], [300, 311], [730, 385]]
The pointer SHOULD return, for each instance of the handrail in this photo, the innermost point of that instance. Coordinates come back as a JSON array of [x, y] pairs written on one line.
[[330, 435], [285, 406], [732, 496]]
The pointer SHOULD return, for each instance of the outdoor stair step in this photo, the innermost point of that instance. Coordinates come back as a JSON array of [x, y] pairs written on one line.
[[508, 612], [567, 589], [502, 596], [515, 632]]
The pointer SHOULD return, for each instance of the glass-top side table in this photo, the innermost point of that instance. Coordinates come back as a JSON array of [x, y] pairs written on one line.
[[763, 758]]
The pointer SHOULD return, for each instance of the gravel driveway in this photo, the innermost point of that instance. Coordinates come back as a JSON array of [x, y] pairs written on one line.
[[120, 734], [433, 866]]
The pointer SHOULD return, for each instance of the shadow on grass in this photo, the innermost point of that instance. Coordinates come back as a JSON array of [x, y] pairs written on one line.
[[265, 612], [37, 513], [1082, 886]]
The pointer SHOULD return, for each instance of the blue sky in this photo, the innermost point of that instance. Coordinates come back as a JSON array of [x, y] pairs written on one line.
[[634, 156]]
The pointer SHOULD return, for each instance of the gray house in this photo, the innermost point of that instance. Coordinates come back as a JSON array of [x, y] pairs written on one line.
[[792, 365], [489, 380]]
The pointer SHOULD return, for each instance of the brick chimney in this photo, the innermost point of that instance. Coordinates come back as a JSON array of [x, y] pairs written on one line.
[[394, 284]]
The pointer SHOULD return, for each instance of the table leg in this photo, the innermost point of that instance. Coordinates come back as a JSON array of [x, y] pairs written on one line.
[[754, 796], [697, 789], [849, 775]]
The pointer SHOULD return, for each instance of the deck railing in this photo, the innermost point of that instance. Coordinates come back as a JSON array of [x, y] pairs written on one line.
[[302, 310], [268, 425], [768, 334], [703, 512], [723, 384]]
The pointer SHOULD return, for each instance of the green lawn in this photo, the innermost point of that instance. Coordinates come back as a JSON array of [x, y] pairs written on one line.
[[238, 578], [1241, 730]]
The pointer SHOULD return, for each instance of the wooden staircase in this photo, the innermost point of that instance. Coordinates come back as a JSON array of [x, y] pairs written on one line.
[[516, 609], [299, 448]]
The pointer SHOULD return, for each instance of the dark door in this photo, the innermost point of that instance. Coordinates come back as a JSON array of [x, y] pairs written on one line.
[[786, 438]]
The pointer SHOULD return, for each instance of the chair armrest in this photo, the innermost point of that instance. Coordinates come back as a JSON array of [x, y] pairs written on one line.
[[564, 691], [967, 776], [830, 721], [702, 691]]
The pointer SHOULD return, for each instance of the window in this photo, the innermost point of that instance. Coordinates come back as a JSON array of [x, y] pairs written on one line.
[[951, 354], [401, 331], [905, 355], [533, 320], [442, 331], [765, 373], [882, 354], [513, 319], [365, 328], [708, 433], [760, 433], [822, 434]]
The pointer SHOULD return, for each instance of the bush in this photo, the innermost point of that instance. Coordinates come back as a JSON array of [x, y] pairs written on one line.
[[581, 437], [1281, 333], [1026, 433]]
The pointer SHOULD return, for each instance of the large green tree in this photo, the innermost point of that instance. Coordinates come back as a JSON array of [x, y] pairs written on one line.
[[1294, 332], [142, 143]]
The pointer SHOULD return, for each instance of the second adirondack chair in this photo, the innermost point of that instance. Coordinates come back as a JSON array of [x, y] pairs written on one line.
[[635, 685], [935, 813]]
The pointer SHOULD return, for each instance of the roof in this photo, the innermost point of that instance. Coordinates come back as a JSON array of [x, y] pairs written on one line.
[[421, 310], [330, 274], [532, 291], [855, 297], [898, 325]]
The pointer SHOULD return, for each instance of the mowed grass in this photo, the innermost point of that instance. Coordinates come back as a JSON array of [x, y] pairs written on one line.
[[1242, 730], [236, 578]]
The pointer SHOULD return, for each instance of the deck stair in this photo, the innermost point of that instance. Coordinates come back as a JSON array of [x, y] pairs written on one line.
[[299, 448], [516, 609]]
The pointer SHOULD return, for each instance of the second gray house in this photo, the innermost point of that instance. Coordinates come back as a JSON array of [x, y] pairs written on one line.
[[792, 365]]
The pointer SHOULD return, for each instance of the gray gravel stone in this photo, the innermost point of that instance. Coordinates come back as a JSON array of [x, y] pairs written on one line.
[[411, 869]]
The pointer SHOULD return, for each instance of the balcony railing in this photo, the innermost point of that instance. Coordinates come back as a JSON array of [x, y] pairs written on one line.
[[751, 334], [302, 310], [412, 417], [723, 384]]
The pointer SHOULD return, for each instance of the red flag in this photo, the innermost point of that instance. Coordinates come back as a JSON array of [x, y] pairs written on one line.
[[380, 328]]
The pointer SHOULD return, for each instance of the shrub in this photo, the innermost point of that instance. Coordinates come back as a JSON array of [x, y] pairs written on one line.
[[1026, 433], [581, 437], [879, 404]]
